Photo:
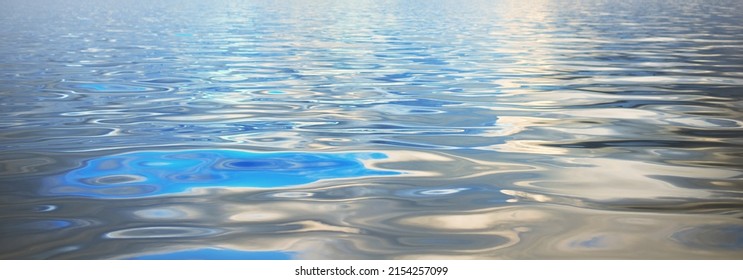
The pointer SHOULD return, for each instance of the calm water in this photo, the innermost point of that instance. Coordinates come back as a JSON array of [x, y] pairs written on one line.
[[371, 129]]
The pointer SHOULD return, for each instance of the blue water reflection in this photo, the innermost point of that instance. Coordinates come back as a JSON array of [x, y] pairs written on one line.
[[42, 225], [727, 237], [83, 87], [149, 173], [110, 88], [217, 254]]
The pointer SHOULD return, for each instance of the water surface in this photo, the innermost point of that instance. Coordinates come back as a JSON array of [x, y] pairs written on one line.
[[371, 129]]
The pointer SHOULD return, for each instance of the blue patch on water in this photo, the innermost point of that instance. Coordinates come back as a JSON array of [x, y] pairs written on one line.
[[110, 87], [218, 254], [43, 225], [141, 174], [593, 242], [727, 237]]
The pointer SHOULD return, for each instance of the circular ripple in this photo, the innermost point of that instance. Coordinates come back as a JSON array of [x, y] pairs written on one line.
[[116, 179], [443, 191], [293, 194], [728, 237], [161, 232], [430, 192]]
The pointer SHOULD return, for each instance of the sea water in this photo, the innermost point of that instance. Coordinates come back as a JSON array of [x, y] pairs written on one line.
[[371, 129]]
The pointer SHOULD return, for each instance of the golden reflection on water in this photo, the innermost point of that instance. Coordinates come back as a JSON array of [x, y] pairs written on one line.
[[567, 231], [615, 179]]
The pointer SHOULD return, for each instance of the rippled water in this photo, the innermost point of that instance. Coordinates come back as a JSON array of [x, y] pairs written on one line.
[[371, 129]]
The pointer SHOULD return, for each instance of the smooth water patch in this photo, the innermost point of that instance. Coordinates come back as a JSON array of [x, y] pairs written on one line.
[[40, 225], [217, 254], [141, 174]]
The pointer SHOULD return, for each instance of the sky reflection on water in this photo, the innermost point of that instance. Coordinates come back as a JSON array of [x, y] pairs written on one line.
[[141, 174]]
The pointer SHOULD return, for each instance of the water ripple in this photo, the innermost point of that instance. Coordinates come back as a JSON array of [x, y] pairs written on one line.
[[371, 129], [161, 232]]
